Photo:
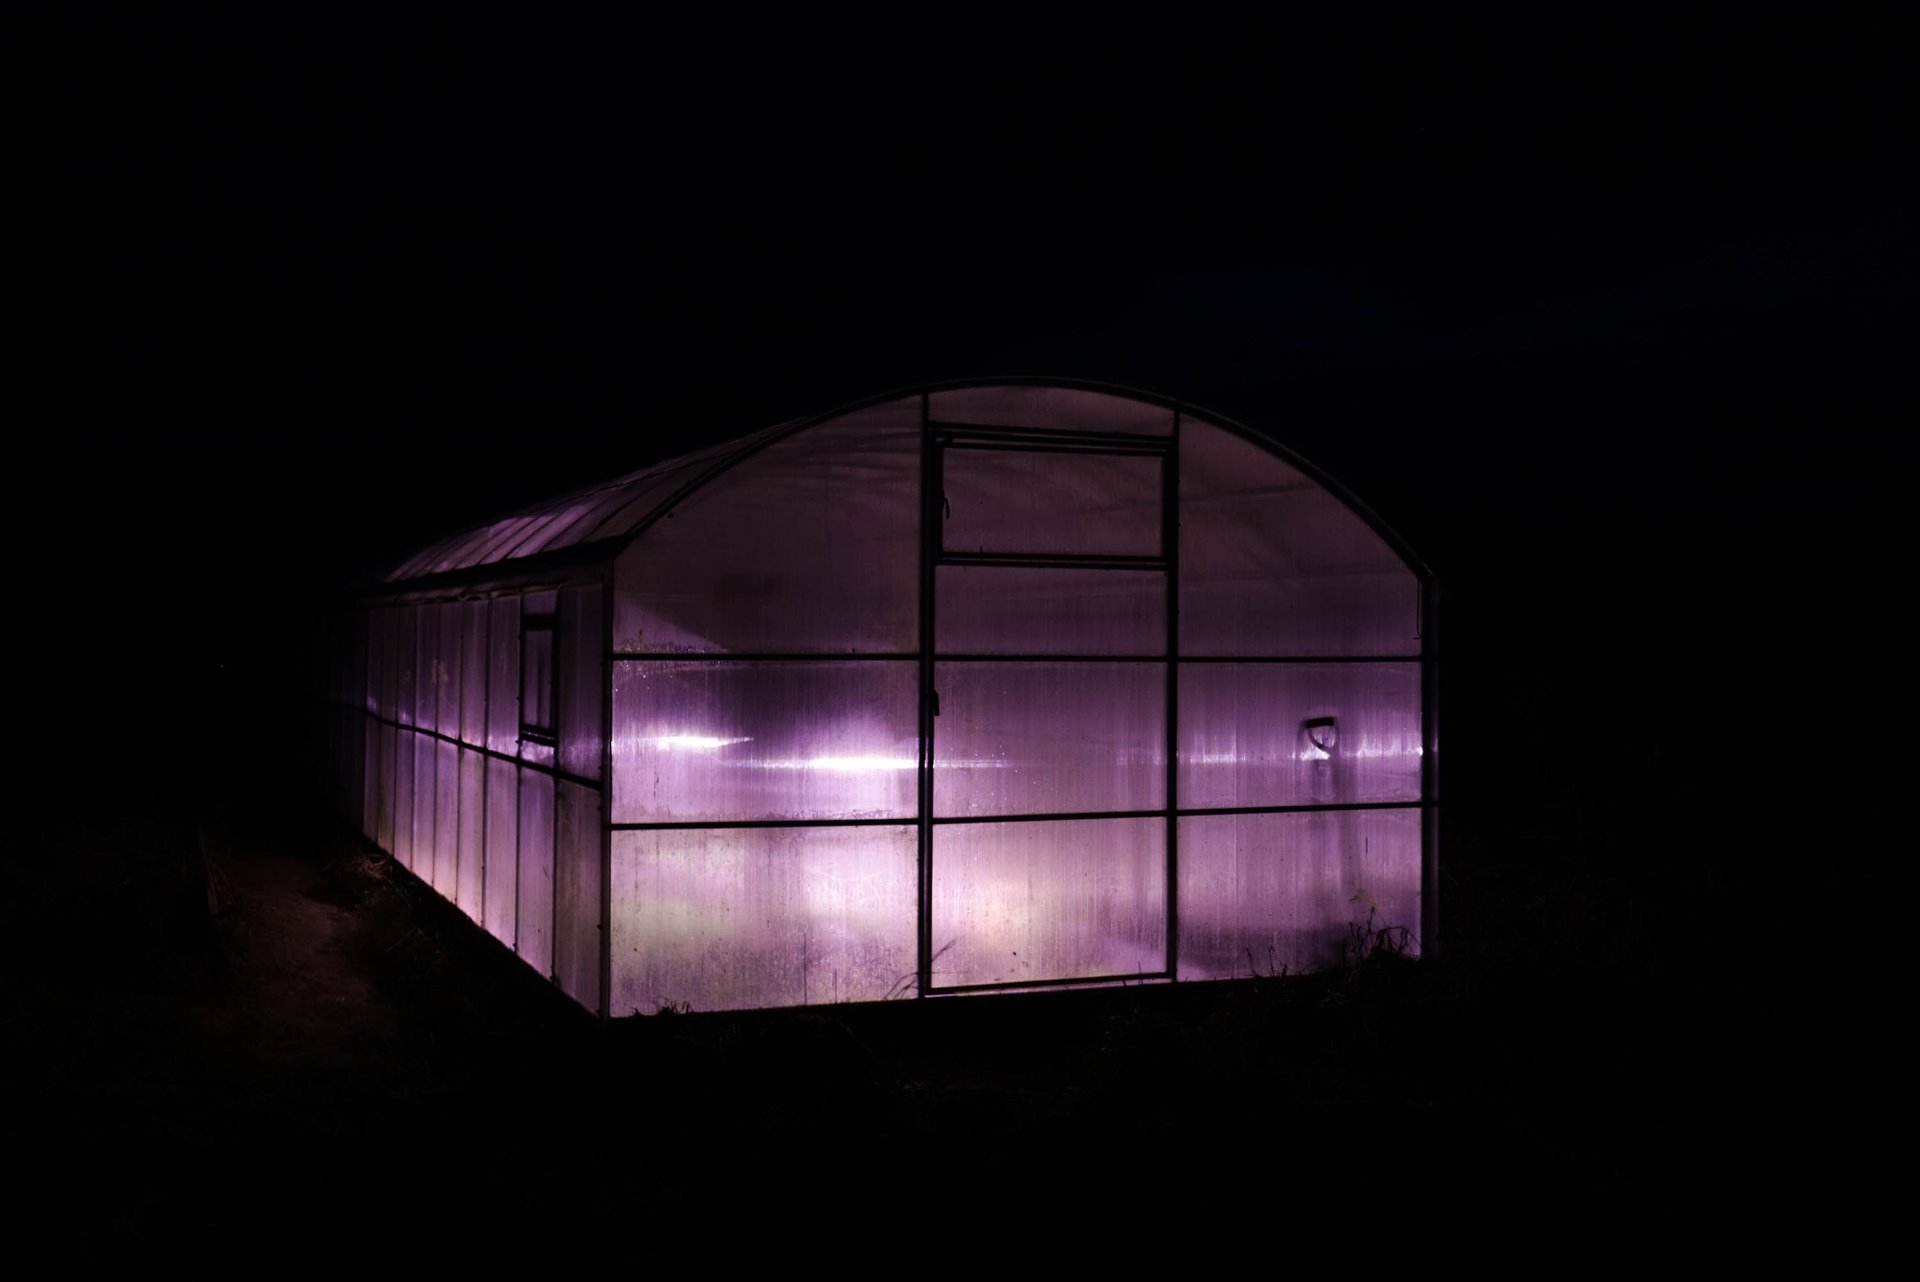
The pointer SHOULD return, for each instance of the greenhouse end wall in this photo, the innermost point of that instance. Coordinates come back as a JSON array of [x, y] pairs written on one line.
[[973, 689]]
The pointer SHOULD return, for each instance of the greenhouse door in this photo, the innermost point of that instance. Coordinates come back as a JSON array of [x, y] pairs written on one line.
[[1046, 577]]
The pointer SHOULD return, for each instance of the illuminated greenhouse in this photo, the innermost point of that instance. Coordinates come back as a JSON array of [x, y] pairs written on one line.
[[967, 689]]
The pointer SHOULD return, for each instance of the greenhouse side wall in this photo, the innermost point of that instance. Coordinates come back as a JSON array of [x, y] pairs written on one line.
[[469, 744]]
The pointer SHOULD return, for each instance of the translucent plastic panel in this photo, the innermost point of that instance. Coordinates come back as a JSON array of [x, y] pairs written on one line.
[[503, 680], [1005, 610], [447, 674], [428, 676], [405, 657], [725, 919], [380, 664], [1272, 564], [473, 827], [576, 872], [1267, 894], [702, 740], [1038, 738], [808, 546], [446, 819], [581, 690], [1295, 734], [1031, 501], [473, 673], [402, 834], [1055, 408], [375, 793], [533, 936], [424, 789], [500, 889], [1057, 899], [390, 790]]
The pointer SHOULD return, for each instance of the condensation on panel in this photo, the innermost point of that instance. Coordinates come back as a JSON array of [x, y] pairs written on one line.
[[736, 918], [424, 790], [405, 657], [1041, 738], [428, 676], [701, 740], [1276, 894], [1034, 501], [500, 889], [447, 671], [390, 796], [576, 874], [1054, 899], [533, 934], [473, 673], [374, 795], [809, 546], [503, 682], [402, 847], [1298, 734], [1272, 564], [581, 692], [446, 819], [1033, 610], [473, 819], [1059, 409]]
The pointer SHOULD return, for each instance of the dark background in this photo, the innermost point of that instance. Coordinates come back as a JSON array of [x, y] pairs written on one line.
[[1606, 316]]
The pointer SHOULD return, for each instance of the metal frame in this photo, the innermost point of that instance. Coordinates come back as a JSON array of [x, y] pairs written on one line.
[[593, 561]]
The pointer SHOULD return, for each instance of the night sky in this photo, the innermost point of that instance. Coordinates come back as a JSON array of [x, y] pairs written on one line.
[[1603, 316]]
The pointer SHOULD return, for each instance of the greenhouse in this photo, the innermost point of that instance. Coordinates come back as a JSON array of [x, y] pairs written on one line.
[[966, 689]]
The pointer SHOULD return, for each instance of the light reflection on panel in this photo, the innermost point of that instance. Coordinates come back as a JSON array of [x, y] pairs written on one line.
[[809, 546], [1033, 738], [1267, 894], [473, 673], [1029, 501], [473, 818], [1054, 408], [728, 919], [446, 819], [1272, 564], [503, 682], [500, 890], [1026, 610], [576, 873], [1291, 734], [533, 935], [700, 740], [1055, 899], [581, 691]]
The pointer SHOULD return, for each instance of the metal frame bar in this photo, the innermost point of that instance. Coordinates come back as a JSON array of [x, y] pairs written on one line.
[[1026, 656], [931, 517], [1170, 548], [1014, 985], [495, 753]]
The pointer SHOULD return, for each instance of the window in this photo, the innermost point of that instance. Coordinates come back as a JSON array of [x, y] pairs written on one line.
[[537, 736]]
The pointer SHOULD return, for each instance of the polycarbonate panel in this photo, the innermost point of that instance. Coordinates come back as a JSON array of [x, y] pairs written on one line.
[[581, 692], [500, 888], [503, 680], [701, 740], [390, 803], [380, 667], [374, 796], [1054, 899], [810, 546], [1042, 502], [447, 673], [1273, 894], [425, 788], [402, 846], [727, 919], [1059, 409], [1040, 738], [446, 819], [1296, 734], [473, 820], [1272, 564], [473, 674], [993, 609], [576, 873], [428, 676], [533, 936], [406, 657]]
